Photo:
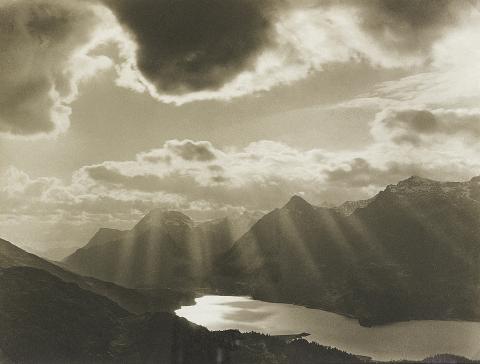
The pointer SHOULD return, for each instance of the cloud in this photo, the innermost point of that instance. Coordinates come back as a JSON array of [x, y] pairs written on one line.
[[264, 173], [417, 127], [359, 173], [204, 52], [205, 181], [254, 177], [45, 46], [190, 150], [409, 27], [191, 45], [449, 81], [223, 49]]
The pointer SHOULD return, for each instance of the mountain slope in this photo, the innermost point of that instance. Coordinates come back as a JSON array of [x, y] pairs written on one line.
[[412, 252], [165, 249], [45, 319], [132, 300], [104, 235]]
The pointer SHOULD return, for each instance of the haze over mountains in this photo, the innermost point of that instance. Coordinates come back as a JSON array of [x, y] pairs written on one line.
[[410, 252], [165, 249]]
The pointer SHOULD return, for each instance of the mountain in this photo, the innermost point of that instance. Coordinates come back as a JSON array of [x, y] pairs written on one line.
[[47, 320], [53, 254], [132, 300], [164, 249], [411, 252], [104, 235], [349, 207]]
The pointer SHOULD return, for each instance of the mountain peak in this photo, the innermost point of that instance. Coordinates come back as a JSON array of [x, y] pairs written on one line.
[[104, 235], [475, 179], [413, 184], [161, 217], [297, 202], [415, 181]]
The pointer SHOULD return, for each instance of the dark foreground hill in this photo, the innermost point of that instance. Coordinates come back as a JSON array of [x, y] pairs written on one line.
[[46, 320], [411, 252]]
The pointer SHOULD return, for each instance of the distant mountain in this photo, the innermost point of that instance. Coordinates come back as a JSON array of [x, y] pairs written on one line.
[[164, 249], [411, 252], [53, 254], [104, 235], [46, 320], [349, 207], [132, 300]]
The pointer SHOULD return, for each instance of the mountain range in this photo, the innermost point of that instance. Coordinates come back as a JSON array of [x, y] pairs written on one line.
[[165, 249], [410, 252]]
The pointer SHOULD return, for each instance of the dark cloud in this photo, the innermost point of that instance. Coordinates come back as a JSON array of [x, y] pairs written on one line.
[[406, 27], [409, 25], [25, 109], [103, 174], [191, 151], [191, 45], [37, 39], [418, 127], [412, 124], [360, 173]]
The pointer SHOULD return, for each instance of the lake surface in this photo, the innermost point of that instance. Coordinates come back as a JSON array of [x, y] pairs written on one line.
[[406, 340]]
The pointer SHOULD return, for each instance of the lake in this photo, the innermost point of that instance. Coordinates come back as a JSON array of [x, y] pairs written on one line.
[[405, 340]]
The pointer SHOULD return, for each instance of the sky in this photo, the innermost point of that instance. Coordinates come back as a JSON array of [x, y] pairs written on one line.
[[109, 108]]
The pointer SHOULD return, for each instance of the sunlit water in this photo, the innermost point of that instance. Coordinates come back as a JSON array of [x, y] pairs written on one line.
[[406, 340]]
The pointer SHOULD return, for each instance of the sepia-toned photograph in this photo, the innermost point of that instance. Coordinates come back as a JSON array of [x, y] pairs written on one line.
[[239, 181]]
